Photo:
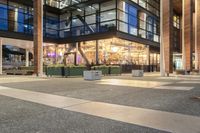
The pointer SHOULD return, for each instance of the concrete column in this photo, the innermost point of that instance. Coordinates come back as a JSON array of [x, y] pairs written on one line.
[[1, 56], [97, 52], [76, 56], [197, 30], [162, 70], [56, 54], [16, 19], [27, 58], [148, 55], [166, 63], [187, 34], [38, 36]]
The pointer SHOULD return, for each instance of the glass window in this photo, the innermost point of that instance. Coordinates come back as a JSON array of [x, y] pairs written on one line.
[[149, 24], [133, 11], [76, 22], [108, 26], [90, 19], [123, 27], [3, 17], [91, 9], [133, 21], [123, 16], [108, 5], [176, 21], [108, 15], [142, 3], [142, 33], [136, 1], [123, 6], [133, 30]]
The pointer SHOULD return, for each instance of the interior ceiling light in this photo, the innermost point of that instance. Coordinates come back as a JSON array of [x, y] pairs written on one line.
[[79, 10], [75, 1]]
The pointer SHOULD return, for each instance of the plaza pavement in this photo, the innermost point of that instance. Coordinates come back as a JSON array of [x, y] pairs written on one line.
[[115, 104]]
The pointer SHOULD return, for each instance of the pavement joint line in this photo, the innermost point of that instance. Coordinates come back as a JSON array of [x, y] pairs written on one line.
[[161, 120], [75, 105]]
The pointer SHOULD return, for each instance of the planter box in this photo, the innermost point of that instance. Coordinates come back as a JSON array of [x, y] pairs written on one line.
[[104, 69], [115, 70], [31, 68], [19, 72], [196, 72], [180, 72], [92, 75], [74, 71], [27, 68], [55, 71], [137, 73]]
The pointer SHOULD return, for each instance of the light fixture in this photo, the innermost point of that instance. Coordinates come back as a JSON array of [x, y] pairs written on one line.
[[114, 49], [79, 10]]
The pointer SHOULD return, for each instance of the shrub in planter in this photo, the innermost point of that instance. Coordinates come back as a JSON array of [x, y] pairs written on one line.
[[115, 70], [77, 70], [104, 69], [57, 70], [74, 70]]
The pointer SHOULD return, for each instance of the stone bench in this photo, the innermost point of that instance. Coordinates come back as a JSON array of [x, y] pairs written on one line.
[[137, 73], [92, 75]]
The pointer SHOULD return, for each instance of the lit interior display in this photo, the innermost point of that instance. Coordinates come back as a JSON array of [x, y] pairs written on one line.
[[110, 51], [116, 51]]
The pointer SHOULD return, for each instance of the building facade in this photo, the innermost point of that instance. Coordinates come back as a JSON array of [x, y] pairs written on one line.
[[114, 32]]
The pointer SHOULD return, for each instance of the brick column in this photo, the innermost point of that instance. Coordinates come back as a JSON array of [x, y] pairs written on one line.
[[187, 34], [97, 52], [166, 37], [194, 42], [38, 36], [197, 30]]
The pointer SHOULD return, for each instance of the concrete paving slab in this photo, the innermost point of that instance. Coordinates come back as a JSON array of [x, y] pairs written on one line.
[[160, 120]]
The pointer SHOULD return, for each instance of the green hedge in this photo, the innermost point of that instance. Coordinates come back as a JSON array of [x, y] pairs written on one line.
[[65, 70], [74, 70], [54, 71], [108, 70], [115, 70], [104, 69]]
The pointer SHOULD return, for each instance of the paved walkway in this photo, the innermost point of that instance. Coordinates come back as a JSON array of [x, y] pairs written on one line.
[[149, 104]]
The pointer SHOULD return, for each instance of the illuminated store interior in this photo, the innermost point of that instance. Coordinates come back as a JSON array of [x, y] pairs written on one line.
[[110, 51]]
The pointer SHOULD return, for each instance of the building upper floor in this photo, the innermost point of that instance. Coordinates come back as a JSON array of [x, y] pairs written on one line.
[[64, 19]]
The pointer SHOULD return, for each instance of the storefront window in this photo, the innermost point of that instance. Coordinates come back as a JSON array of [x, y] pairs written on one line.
[[89, 48], [110, 51], [127, 18], [118, 51]]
